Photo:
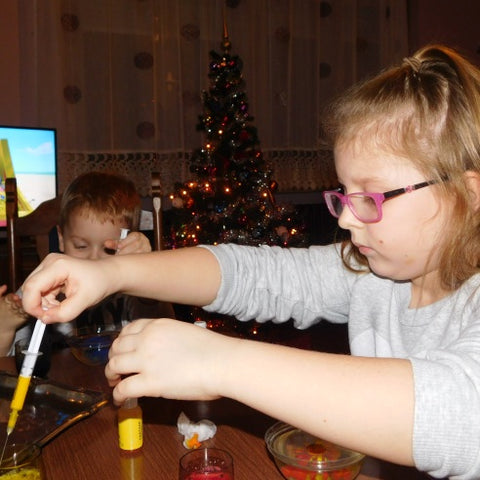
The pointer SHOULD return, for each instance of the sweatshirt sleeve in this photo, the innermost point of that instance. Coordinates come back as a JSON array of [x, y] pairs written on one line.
[[446, 440], [274, 283]]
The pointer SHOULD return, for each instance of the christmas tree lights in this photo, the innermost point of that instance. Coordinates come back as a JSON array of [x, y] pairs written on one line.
[[232, 196]]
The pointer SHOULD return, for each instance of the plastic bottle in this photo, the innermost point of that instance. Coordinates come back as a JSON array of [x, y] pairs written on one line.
[[130, 425]]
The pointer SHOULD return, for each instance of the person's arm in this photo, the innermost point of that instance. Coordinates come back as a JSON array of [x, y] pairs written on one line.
[[362, 403], [187, 275]]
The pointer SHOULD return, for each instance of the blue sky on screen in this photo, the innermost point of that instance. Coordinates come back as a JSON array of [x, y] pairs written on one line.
[[32, 150]]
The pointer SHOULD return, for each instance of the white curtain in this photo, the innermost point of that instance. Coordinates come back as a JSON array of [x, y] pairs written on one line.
[[121, 80]]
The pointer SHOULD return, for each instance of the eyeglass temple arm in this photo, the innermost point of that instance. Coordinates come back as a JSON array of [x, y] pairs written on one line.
[[408, 189]]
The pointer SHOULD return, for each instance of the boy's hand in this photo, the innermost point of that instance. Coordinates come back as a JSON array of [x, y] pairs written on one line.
[[168, 358], [12, 314], [135, 242]]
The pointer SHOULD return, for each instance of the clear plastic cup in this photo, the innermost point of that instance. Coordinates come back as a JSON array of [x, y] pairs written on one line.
[[42, 364], [206, 464]]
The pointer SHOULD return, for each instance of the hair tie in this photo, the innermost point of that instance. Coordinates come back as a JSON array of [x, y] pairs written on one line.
[[413, 62]]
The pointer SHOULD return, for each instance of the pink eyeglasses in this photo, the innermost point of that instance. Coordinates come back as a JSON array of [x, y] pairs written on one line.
[[365, 206]]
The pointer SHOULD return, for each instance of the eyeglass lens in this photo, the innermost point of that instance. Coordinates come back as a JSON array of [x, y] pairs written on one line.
[[363, 206]]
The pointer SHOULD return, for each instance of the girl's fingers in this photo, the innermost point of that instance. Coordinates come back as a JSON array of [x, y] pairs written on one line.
[[128, 388], [135, 327]]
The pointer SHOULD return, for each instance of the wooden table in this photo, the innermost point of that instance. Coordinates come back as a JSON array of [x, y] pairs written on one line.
[[89, 449]]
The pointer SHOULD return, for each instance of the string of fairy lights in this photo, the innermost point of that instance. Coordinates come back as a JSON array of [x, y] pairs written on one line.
[[232, 195]]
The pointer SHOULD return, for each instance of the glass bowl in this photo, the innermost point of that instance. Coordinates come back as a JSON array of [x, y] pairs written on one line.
[[91, 347], [299, 455], [22, 462]]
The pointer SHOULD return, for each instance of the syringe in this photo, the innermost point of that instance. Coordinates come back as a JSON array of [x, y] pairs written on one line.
[[24, 378], [123, 233]]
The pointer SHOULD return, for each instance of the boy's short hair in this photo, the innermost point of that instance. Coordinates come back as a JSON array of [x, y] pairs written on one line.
[[108, 196]]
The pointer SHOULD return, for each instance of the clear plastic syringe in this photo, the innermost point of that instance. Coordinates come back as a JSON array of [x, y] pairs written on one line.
[[24, 378]]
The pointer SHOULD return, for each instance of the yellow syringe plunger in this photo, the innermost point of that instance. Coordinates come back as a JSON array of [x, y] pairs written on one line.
[[18, 400]]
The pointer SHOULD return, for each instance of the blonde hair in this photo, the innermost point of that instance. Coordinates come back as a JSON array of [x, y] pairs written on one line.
[[107, 196], [427, 109]]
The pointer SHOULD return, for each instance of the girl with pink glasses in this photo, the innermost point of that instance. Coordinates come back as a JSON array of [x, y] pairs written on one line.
[[407, 154]]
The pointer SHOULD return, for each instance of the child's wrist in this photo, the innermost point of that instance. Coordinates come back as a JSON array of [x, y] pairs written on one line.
[[118, 273], [224, 361]]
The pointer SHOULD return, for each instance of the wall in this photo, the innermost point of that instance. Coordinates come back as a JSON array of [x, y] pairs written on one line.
[[446, 21], [9, 63]]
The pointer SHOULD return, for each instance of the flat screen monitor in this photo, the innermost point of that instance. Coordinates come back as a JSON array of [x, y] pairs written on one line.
[[29, 155]]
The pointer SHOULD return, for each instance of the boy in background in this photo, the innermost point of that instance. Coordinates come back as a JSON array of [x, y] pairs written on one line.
[[95, 207]]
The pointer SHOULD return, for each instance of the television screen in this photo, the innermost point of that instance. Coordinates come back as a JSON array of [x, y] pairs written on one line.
[[29, 155]]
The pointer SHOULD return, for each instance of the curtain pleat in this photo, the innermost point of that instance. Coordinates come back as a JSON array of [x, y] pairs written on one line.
[[121, 80]]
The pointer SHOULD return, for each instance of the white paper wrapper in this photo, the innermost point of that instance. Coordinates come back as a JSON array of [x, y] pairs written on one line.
[[195, 433]]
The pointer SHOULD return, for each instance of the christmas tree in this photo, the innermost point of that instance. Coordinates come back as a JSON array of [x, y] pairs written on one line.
[[232, 196]]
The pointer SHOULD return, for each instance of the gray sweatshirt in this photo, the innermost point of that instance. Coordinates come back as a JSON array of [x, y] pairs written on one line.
[[441, 340]]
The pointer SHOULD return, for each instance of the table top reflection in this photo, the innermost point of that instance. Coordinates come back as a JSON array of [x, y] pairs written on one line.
[[89, 449]]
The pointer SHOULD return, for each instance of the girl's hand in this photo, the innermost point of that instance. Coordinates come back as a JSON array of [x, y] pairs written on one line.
[[135, 242], [167, 358], [82, 282]]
